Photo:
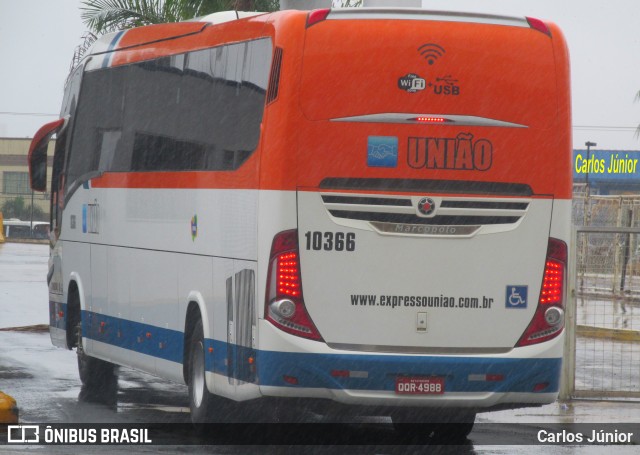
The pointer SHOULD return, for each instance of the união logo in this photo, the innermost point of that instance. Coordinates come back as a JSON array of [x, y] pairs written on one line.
[[461, 152]]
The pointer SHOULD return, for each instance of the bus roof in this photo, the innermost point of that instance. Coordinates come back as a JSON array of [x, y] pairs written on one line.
[[422, 14], [158, 32]]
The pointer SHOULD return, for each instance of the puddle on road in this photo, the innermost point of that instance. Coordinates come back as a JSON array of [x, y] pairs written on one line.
[[14, 373]]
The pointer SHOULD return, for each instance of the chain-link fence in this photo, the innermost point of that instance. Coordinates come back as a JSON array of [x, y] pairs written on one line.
[[604, 323], [608, 262]]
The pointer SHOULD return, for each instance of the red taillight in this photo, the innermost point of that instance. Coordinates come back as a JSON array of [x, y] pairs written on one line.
[[288, 278], [284, 303], [548, 320], [317, 15], [552, 283], [538, 25]]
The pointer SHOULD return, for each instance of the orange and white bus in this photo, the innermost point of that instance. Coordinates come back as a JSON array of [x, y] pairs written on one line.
[[368, 206]]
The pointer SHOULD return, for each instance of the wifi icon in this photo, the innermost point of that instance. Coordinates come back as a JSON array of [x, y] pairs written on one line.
[[431, 52]]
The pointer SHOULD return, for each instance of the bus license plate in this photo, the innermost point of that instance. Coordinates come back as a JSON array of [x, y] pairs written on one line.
[[420, 386]]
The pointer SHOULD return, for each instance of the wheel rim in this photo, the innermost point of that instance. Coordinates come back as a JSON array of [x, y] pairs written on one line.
[[198, 374]]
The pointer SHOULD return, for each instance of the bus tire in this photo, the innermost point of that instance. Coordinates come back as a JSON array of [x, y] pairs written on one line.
[[99, 378], [444, 426], [201, 401], [453, 432]]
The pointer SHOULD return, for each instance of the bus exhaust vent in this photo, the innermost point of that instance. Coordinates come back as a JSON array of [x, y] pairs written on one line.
[[274, 80], [425, 215]]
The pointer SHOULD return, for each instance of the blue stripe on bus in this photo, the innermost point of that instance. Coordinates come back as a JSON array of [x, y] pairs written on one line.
[[313, 370], [379, 372], [112, 45], [166, 344]]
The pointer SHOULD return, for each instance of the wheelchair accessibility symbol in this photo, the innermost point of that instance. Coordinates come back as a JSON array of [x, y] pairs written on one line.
[[516, 296]]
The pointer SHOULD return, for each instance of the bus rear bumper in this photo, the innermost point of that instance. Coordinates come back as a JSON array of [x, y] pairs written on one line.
[[351, 379], [526, 376], [386, 399]]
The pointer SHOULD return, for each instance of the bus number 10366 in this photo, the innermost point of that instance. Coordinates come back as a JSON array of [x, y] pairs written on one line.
[[330, 241]]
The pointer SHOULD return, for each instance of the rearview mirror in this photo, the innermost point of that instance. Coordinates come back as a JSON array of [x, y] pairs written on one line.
[[38, 154]]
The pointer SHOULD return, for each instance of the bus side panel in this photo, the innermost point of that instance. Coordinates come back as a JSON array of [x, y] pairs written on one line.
[[154, 297], [150, 259], [231, 347], [100, 292], [112, 336], [221, 329]]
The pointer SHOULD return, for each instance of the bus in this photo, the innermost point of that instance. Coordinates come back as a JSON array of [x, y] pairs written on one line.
[[364, 207], [13, 228]]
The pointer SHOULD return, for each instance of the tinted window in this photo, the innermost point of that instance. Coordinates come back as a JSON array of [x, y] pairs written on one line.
[[196, 111], [69, 105]]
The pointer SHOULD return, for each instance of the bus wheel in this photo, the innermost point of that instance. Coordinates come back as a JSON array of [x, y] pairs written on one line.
[[99, 378], [200, 400], [453, 432], [442, 427]]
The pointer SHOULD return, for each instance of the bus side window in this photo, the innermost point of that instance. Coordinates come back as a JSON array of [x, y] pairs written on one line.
[[69, 104]]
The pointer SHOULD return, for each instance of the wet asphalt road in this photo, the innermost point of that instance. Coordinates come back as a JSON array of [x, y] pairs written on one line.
[[44, 381]]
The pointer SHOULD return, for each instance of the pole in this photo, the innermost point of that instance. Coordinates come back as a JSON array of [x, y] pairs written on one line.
[[587, 219], [31, 229], [588, 195]]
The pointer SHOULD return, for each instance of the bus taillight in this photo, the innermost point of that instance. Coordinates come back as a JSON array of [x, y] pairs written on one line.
[[284, 304], [548, 320]]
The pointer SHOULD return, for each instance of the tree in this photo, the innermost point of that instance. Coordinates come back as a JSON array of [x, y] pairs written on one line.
[[102, 16]]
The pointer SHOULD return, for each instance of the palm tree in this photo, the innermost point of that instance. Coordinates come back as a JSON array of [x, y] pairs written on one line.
[[103, 16]]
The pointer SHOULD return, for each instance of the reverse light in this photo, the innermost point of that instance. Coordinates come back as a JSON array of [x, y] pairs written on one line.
[[486, 377], [284, 303], [349, 374], [548, 320], [554, 316], [317, 15], [284, 308]]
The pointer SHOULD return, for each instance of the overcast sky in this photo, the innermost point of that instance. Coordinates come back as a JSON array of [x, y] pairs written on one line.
[[38, 38]]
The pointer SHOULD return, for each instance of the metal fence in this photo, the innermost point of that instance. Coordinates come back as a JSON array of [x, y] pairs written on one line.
[[603, 316]]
